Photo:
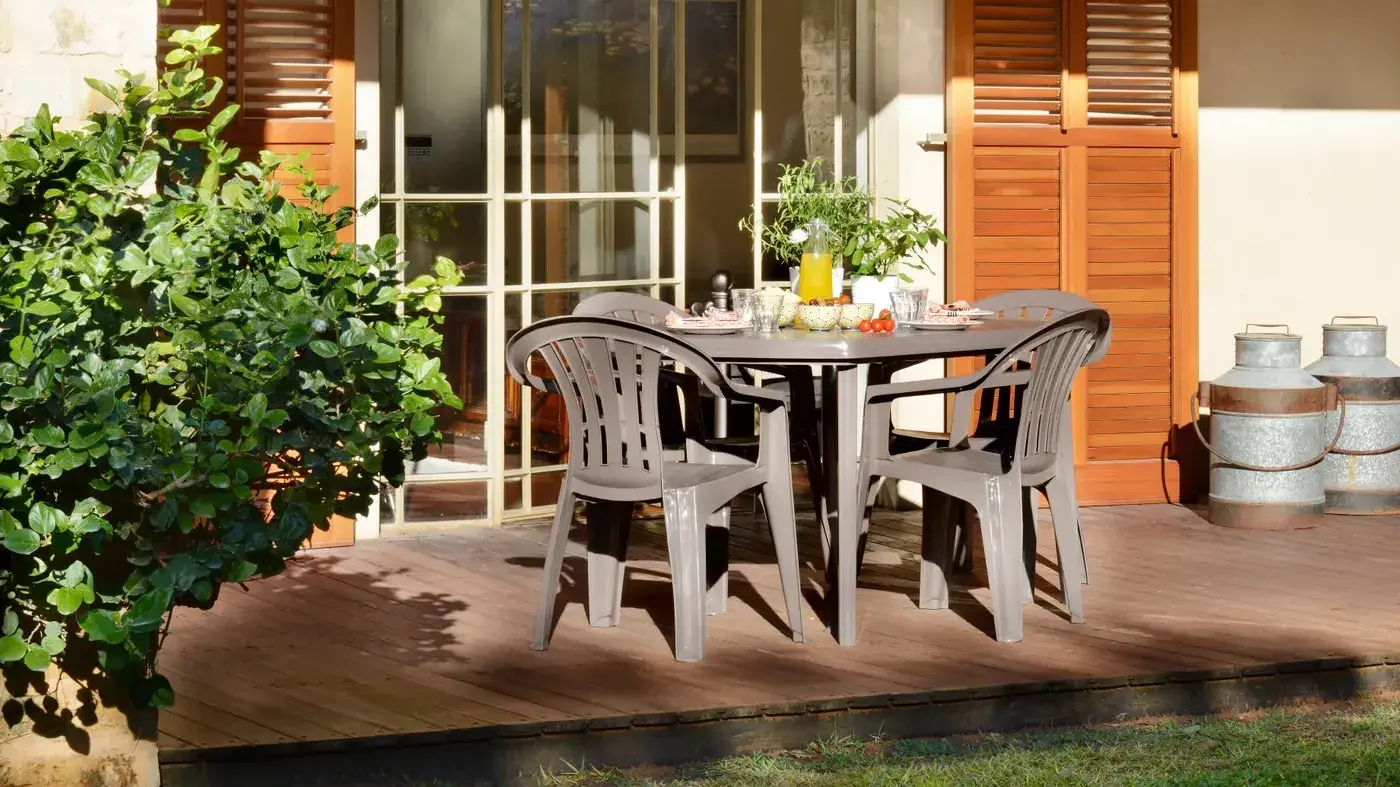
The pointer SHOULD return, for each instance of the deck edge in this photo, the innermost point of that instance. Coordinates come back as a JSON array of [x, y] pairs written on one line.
[[510, 754]]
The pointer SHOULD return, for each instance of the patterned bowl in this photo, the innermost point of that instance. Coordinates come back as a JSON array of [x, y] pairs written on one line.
[[789, 313], [853, 313], [818, 318]]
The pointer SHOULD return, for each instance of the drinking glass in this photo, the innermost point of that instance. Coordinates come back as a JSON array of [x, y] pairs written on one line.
[[905, 306], [767, 311], [743, 303], [922, 294]]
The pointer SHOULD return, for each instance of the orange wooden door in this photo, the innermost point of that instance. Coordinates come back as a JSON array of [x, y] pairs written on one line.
[[1072, 166], [290, 65]]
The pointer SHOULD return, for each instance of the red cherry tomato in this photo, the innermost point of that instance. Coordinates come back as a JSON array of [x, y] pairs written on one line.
[[866, 326], [885, 314], [887, 325]]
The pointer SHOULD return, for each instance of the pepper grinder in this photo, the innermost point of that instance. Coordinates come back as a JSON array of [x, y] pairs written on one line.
[[719, 290]]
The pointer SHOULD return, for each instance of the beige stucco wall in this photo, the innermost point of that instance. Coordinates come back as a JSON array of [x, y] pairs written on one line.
[[1300, 157], [47, 47]]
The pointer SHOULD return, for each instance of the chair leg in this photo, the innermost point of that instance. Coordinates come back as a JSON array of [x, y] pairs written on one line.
[[685, 545], [938, 549], [1068, 545], [811, 450], [1064, 471], [1028, 543], [782, 522], [717, 562], [1001, 543], [553, 564], [609, 524]]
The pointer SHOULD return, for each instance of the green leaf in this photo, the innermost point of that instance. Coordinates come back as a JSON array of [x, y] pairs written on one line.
[[219, 480], [142, 169], [10, 624], [256, 408], [288, 279], [386, 246], [49, 436], [157, 692], [422, 424], [8, 522], [44, 519], [203, 507], [66, 600], [189, 135], [43, 308], [101, 626], [12, 648], [148, 612], [37, 659], [324, 348], [444, 267], [242, 571], [22, 542], [217, 124], [52, 644]]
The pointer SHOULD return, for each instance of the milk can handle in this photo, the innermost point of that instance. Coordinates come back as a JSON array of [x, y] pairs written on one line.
[[1249, 325], [1341, 422], [1374, 319]]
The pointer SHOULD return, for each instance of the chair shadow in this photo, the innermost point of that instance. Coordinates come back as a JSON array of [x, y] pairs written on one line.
[[647, 590]]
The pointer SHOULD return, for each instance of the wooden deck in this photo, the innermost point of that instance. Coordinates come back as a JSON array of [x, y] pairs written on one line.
[[424, 634]]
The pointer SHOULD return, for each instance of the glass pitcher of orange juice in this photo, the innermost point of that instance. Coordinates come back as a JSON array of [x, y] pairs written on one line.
[[814, 274]]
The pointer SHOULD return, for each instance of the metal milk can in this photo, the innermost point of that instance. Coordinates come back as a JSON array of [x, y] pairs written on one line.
[[1268, 436], [1362, 474]]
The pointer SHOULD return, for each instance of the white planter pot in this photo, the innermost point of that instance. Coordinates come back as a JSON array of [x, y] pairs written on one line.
[[874, 289], [838, 279]]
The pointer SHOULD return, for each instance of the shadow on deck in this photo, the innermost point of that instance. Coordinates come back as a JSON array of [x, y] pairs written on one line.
[[409, 659]]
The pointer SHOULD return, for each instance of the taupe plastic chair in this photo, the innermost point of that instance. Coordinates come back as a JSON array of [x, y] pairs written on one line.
[[796, 383], [996, 419], [607, 371], [993, 481]]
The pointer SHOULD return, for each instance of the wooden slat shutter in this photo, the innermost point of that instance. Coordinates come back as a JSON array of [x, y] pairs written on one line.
[[290, 65], [1016, 219], [1018, 62], [1129, 63], [1072, 157]]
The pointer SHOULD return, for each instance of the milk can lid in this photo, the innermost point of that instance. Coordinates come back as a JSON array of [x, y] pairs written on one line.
[[1373, 326], [1285, 335]]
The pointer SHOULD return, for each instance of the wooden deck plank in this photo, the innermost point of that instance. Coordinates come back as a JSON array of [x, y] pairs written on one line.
[[433, 633]]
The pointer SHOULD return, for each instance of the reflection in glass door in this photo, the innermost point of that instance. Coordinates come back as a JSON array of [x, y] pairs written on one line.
[[524, 140]]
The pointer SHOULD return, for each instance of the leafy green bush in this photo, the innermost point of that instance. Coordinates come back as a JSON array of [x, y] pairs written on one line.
[[194, 371]]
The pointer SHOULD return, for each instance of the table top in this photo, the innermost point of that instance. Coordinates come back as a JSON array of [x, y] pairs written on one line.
[[842, 347]]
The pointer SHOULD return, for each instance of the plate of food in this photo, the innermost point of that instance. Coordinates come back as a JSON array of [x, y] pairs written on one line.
[[944, 322], [712, 324], [960, 308]]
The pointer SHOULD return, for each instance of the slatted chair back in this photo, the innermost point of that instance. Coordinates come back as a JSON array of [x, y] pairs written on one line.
[[607, 371]]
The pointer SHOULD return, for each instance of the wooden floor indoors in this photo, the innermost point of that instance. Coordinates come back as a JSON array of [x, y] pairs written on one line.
[[432, 633]]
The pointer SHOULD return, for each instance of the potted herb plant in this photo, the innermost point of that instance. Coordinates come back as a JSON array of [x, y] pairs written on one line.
[[806, 195], [903, 235]]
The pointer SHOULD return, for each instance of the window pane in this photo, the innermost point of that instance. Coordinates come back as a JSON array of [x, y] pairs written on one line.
[[591, 240], [514, 433], [456, 231], [464, 342], [424, 503], [445, 57], [590, 94], [559, 303], [801, 86], [388, 91]]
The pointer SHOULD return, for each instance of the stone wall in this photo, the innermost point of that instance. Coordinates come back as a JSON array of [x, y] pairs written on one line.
[[47, 47]]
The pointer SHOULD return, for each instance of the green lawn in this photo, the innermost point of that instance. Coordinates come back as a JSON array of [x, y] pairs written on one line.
[[1349, 744]]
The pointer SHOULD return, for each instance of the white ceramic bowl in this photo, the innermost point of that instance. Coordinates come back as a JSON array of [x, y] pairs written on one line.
[[818, 318], [853, 313]]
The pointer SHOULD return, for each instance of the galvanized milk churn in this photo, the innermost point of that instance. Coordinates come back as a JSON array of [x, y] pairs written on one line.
[[1268, 436], [1362, 474]]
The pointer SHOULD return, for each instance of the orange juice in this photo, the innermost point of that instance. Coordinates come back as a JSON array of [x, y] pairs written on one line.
[[814, 276]]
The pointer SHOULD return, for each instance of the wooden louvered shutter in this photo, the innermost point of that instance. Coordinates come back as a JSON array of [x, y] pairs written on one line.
[[1072, 166], [290, 65]]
